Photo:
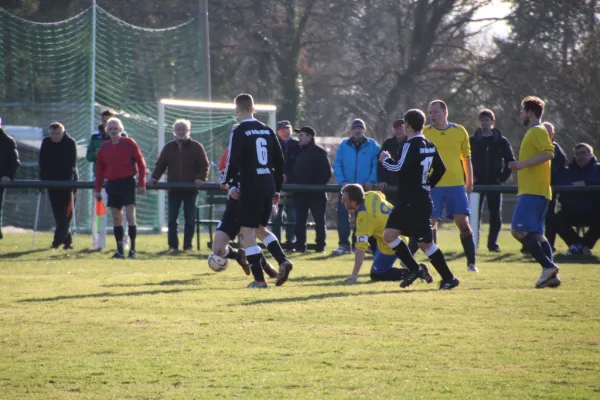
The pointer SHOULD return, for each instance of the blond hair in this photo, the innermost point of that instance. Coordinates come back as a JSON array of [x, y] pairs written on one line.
[[117, 121]]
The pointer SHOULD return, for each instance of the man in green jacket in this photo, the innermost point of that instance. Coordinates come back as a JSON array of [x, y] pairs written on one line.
[[99, 223]]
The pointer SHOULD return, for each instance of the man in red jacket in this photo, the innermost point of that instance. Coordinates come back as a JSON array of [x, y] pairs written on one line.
[[119, 160]]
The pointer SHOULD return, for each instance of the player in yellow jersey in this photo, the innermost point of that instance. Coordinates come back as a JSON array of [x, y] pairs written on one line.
[[372, 212], [453, 144], [534, 191]]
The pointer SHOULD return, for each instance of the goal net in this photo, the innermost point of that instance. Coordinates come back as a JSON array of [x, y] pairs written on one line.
[[211, 126]]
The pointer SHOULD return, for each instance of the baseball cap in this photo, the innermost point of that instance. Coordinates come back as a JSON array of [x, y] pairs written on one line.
[[398, 122], [306, 129], [284, 124], [359, 122]]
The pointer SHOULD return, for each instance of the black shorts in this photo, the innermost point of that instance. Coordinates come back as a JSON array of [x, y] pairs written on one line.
[[121, 192], [412, 219], [255, 211], [230, 221]]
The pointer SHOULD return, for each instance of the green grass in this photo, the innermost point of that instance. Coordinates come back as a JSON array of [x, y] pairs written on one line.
[[76, 325]]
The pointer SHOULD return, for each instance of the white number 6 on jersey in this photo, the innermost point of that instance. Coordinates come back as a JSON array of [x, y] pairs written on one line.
[[261, 151]]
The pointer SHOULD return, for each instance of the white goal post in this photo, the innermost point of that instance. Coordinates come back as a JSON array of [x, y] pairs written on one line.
[[209, 106]]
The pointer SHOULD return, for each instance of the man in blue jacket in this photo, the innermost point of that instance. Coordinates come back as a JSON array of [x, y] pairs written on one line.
[[356, 161], [580, 208]]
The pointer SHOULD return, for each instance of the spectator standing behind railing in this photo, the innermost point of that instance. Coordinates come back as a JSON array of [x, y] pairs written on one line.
[[185, 160], [392, 146], [490, 153], [312, 167], [580, 208], [119, 161], [355, 162], [58, 162], [98, 138], [9, 162], [287, 212]]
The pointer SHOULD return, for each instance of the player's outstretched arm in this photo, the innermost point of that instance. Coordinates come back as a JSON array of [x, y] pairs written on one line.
[[359, 259]]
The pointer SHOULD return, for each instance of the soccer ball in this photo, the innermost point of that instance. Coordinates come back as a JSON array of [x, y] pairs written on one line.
[[216, 263]]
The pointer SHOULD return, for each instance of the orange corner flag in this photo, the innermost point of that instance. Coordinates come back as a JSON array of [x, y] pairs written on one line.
[[100, 209]]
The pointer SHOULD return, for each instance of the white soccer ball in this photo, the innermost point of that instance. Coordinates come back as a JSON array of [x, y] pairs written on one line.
[[216, 263]]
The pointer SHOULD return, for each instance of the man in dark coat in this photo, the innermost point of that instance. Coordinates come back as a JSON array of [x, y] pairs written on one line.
[[9, 162], [58, 162], [490, 154], [312, 167]]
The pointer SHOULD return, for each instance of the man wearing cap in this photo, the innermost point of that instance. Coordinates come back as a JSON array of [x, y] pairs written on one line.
[[392, 146], [312, 167], [356, 161], [291, 148], [9, 162]]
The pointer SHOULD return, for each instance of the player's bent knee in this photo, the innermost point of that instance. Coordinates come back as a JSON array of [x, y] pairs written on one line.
[[389, 235], [518, 235]]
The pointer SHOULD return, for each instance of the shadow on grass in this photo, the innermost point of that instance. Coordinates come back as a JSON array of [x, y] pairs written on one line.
[[319, 278], [18, 254], [103, 295], [565, 259], [324, 296], [173, 282]]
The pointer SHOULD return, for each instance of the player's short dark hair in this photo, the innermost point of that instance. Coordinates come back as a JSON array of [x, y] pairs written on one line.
[[486, 112], [107, 113], [355, 192], [415, 119], [533, 104], [244, 102], [442, 104], [56, 125], [586, 146]]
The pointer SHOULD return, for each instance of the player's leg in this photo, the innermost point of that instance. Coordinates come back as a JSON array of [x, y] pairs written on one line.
[[457, 208], [528, 227], [174, 200], [438, 195], [494, 201], [116, 211], [129, 189], [227, 229], [383, 268], [252, 215]]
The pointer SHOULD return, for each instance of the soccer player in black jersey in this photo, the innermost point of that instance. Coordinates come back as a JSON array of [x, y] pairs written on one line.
[[419, 169], [255, 153]]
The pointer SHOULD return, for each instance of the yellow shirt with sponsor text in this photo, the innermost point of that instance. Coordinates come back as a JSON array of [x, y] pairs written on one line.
[[454, 147], [535, 180], [371, 219]]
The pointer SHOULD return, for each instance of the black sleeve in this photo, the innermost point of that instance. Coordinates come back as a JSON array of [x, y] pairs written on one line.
[[408, 156], [323, 165], [439, 169], [507, 157], [277, 163], [234, 159], [13, 162], [73, 160]]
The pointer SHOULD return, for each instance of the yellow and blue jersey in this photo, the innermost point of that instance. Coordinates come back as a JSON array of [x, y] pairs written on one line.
[[371, 219], [454, 147], [535, 180]]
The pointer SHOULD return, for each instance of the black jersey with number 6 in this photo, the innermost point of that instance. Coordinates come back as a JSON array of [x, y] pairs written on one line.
[[419, 169], [254, 153]]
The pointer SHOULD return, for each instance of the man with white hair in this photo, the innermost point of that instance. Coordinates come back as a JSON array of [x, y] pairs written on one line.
[[185, 160], [119, 160]]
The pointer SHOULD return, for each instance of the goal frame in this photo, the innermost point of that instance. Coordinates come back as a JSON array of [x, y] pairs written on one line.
[[270, 109]]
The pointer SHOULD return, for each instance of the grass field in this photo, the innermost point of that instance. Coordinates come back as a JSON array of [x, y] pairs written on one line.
[[75, 325]]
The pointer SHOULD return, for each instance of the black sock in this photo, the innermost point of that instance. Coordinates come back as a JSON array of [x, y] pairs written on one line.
[[468, 244], [438, 261], [132, 231], [547, 249], [232, 254], [536, 251], [403, 253], [276, 251], [119, 232], [255, 266], [413, 245]]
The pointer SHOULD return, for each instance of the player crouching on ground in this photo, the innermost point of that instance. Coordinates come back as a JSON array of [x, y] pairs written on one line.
[[372, 211], [119, 160]]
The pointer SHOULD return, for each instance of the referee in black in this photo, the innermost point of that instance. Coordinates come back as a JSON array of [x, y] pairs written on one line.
[[255, 153], [419, 169]]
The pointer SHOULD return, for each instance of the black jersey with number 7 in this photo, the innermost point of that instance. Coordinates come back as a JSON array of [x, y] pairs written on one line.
[[254, 153], [419, 169]]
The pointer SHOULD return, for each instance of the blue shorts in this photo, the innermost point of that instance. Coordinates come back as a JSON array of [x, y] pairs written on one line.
[[530, 213], [454, 198], [382, 263]]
